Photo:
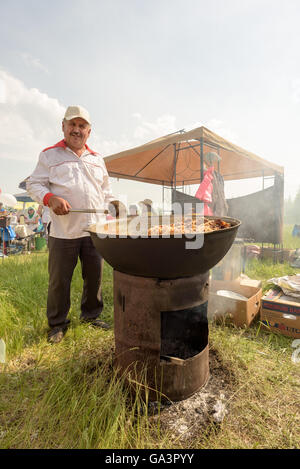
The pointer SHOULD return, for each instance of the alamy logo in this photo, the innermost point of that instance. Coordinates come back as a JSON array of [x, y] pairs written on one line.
[[178, 223]]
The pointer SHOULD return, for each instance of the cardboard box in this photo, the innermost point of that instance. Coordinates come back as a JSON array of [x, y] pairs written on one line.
[[281, 313], [249, 282], [241, 312]]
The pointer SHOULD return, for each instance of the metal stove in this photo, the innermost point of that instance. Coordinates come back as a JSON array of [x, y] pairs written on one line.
[[161, 333], [160, 304]]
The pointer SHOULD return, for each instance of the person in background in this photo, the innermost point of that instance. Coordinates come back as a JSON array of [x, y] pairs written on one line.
[[133, 210], [13, 218], [3, 212], [70, 175], [40, 211], [7, 232], [146, 207], [45, 219], [211, 189], [31, 219]]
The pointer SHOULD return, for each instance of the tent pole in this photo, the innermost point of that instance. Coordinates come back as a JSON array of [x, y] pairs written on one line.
[[175, 155], [201, 159]]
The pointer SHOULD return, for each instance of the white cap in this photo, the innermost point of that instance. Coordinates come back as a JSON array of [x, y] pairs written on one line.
[[211, 156], [77, 111]]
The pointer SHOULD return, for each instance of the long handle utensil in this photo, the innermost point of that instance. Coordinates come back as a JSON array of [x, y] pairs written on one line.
[[89, 210]]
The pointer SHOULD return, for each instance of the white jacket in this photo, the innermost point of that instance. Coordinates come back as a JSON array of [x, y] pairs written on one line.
[[82, 181], [46, 218]]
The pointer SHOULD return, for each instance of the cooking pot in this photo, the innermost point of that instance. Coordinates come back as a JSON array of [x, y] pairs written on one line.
[[161, 257]]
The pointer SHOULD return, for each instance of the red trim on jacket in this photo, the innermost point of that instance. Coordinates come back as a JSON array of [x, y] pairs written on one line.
[[62, 144], [91, 151], [47, 197]]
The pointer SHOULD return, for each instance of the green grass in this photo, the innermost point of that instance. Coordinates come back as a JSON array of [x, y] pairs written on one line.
[[268, 269], [289, 241], [23, 295], [70, 396], [264, 411]]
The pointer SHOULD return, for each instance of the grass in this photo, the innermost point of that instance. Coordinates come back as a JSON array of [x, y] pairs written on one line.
[[64, 396], [70, 396], [264, 412], [289, 241], [266, 270]]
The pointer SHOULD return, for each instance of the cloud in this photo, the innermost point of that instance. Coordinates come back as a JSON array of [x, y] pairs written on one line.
[[2, 91], [295, 90], [109, 147], [217, 126], [29, 119], [33, 62], [144, 131], [220, 128], [163, 125], [137, 115], [167, 123]]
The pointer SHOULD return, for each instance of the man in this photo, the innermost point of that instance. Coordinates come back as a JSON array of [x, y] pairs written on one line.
[[146, 207], [71, 175]]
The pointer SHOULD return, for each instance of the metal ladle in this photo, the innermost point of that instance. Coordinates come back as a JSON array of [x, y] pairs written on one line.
[[89, 210]]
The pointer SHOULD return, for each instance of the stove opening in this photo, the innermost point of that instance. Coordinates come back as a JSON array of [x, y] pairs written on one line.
[[184, 333]]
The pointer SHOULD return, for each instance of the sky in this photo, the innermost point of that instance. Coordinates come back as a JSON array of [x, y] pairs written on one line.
[[144, 69]]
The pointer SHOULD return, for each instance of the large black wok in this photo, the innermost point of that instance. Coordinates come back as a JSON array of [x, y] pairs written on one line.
[[161, 257]]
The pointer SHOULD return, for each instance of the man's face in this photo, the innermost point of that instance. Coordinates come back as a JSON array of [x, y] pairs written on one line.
[[76, 132]]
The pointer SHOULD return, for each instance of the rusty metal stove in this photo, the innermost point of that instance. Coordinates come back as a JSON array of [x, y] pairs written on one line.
[[161, 332], [160, 301]]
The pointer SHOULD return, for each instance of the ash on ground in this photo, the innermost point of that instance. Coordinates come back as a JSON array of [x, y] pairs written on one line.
[[186, 419]]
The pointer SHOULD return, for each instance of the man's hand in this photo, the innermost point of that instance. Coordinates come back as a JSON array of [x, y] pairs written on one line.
[[59, 205]]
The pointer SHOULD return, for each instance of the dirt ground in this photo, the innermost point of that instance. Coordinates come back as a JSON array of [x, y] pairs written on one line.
[[188, 418]]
